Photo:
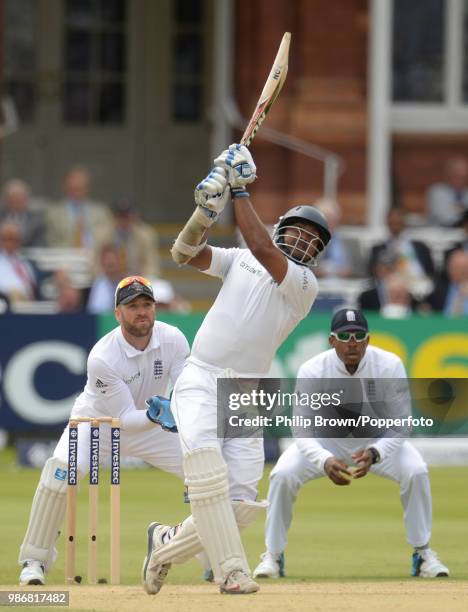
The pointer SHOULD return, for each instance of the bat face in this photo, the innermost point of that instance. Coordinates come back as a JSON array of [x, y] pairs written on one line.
[[270, 91]]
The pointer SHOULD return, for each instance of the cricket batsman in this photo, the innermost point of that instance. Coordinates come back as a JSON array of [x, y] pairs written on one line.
[[268, 288]]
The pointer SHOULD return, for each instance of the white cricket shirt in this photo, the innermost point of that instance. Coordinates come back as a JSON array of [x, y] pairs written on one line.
[[121, 377], [252, 314], [376, 364]]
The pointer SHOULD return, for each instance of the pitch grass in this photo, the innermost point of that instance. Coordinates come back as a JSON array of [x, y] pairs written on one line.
[[338, 533]]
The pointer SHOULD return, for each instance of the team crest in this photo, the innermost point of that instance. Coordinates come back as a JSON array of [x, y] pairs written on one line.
[[158, 368]]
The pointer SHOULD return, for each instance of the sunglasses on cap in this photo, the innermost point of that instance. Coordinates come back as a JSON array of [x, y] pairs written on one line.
[[132, 286], [132, 279], [346, 336]]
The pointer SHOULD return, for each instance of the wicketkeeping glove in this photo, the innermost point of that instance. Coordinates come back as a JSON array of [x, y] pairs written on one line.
[[212, 193], [240, 166], [159, 411]]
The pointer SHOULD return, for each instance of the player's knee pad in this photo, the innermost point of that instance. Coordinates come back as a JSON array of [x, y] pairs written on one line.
[[247, 511], [47, 513], [206, 477]]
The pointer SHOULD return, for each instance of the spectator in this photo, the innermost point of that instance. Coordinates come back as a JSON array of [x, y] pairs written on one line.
[[334, 263], [398, 304], [101, 296], [16, 208], [69, 299], [413, 258], [19, 279], [451, 297], [462, 245], [375, 298], [75, 221], [4, 303], [136, 240], [447, 201]]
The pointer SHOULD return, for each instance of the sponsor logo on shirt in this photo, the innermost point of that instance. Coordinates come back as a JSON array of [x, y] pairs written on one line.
[[251, 269], [128, 381], [305, 280], [158, 368], [101, 386]]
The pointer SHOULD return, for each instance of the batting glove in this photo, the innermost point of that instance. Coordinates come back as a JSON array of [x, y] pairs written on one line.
[[212, 194], [240, 166], [159, 411]]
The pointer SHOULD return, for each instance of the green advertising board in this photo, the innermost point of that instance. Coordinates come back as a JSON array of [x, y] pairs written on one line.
[[430, 347]]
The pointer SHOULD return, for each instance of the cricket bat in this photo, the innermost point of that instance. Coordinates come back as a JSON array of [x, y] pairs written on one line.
[[271, 89]]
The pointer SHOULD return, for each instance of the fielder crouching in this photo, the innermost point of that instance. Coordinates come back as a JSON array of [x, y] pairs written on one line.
[[135, 361], [267, 289], [306, 459]]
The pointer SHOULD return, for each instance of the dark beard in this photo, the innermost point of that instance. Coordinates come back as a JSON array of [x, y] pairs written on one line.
[[138, 332]]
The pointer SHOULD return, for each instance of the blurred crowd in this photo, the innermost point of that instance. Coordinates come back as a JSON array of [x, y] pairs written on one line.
[[112, 240], [401, 274]]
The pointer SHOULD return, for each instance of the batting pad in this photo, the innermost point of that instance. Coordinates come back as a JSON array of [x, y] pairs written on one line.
[[186, 543], [206, 477], [47, 514]]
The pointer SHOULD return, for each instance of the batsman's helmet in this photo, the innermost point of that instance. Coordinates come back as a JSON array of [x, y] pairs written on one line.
[[300, 251]]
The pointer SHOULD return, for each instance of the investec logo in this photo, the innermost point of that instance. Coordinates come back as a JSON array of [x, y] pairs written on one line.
[[94, 463], [72, 454], [115, 453]]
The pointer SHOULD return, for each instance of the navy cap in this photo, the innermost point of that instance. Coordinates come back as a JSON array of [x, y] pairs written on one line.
[[349, 319]]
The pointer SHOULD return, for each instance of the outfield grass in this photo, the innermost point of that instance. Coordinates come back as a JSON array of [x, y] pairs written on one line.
[[338, 533]]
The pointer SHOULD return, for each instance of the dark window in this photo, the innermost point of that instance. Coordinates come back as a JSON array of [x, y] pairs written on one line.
[[188, 11], [187, 61], [95, 40], [418, 50], [110, 103], [19, 56]]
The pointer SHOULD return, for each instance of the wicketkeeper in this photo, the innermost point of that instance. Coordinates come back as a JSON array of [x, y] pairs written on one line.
[[140, 359]]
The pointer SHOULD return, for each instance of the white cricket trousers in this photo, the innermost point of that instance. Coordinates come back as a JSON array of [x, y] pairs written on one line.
[[194, 406], [293, 469]]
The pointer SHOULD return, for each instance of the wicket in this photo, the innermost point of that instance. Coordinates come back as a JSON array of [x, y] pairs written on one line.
[[70, 564]]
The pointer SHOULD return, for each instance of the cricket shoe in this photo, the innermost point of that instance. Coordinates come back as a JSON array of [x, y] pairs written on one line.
[[153, 575], [238, 582], [427, 564], [271, 566], [32, 573]]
